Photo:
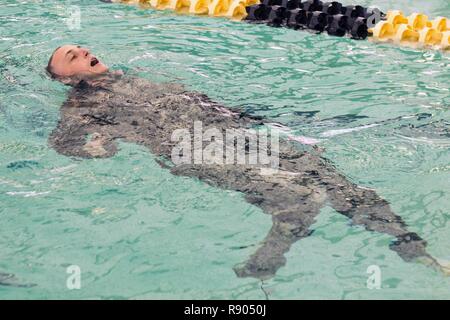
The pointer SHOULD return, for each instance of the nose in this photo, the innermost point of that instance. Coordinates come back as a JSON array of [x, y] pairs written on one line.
[[84, 51]]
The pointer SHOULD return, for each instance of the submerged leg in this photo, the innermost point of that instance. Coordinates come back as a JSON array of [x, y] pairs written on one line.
[[292, 200], [288, 227], [365, 207]]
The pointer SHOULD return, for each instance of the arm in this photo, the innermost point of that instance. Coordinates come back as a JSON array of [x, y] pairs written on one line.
[[78, 134]]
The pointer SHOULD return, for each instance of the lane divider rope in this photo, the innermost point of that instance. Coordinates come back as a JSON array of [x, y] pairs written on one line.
[[357, 22]]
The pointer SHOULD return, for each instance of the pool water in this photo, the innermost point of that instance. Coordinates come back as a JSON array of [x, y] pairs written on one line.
[[136, 231]]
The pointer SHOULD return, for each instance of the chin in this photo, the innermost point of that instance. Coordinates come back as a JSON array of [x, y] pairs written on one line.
[[100, 68]]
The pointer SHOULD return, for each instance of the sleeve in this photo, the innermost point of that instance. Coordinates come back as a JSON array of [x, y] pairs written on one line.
[[78, 135]]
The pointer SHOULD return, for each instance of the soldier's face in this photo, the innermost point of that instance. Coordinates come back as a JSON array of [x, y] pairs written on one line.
[[72, 60]]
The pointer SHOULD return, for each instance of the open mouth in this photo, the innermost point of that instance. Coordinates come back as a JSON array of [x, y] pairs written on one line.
[[94, 61]]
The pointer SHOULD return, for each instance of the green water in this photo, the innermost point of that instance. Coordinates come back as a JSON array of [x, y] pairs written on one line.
[[138, 232]]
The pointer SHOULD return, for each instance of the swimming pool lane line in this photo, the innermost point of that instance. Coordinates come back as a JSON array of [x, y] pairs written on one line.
[[354, 21], [415, 30]]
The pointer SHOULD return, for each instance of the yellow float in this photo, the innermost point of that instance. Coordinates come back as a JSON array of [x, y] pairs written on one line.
[[430, 37], [233, 9], [418, 21], [440, 23], [413, 30], [445, 43], [383, 31], [395, 17], [405, 33]]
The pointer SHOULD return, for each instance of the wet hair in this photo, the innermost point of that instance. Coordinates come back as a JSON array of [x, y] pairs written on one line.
[[49, 68]]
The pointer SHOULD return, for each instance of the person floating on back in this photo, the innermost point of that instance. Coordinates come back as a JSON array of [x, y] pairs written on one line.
[[104, 106]]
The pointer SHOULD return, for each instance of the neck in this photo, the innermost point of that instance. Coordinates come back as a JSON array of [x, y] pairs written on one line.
[[96, 80]]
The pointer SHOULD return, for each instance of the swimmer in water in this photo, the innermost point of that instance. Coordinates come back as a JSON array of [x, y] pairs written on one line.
[[105, 106]]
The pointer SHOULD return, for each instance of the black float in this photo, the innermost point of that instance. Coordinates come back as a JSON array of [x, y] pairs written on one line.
[[332, 17]]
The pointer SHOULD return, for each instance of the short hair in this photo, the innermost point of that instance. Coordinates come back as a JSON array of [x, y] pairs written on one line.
[[49, 68]]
